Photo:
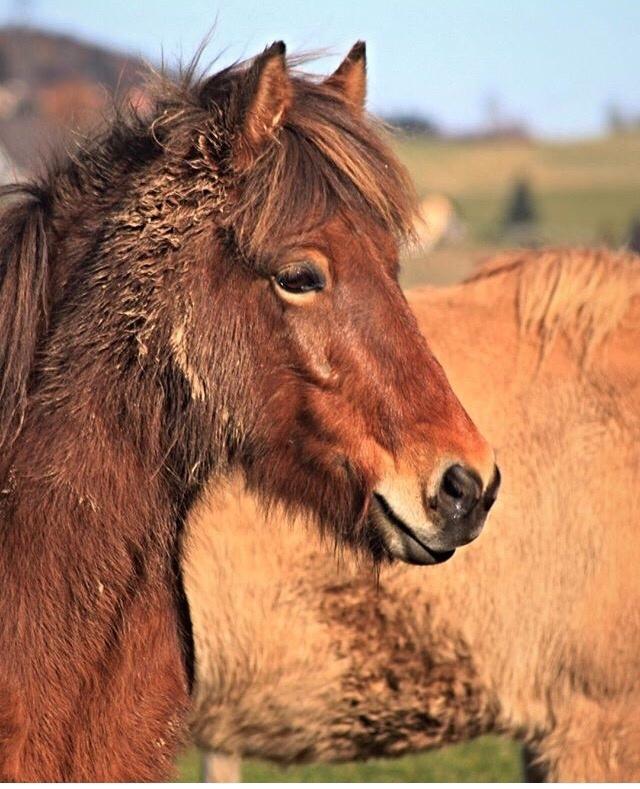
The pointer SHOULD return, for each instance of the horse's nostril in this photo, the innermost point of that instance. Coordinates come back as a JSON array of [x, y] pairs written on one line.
[[453, 484], [460, 491]]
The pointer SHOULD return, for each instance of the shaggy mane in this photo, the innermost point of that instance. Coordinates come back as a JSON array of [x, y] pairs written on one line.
[[583, 293], [323, 156]]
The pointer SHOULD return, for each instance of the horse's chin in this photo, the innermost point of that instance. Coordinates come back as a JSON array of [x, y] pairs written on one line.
[[415, 552], [400, 542]]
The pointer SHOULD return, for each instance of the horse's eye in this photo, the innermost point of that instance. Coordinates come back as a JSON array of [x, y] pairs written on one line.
[[301, 277]]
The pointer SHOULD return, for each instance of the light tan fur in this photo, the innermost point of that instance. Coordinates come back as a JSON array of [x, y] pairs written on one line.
[[533, 631]]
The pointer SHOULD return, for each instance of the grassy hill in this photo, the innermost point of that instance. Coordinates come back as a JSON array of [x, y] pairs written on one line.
[[487, 167], [586, 192]]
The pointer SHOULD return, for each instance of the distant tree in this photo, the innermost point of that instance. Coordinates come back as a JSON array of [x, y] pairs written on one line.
[[616, 121], [495, 116], [634, 235], [414, 123], [622, 120], [521, 209]]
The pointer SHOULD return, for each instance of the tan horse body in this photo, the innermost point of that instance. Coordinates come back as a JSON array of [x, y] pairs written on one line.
[[534, 631]]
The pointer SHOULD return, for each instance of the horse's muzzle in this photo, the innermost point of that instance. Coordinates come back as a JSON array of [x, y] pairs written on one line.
[[456, 513], [461, 505]]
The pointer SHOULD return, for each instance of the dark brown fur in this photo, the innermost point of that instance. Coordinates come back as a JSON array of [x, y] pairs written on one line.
[[144, 351]]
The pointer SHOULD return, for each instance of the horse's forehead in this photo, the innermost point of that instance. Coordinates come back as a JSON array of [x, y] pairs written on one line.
[[359, 239], [349, 242]]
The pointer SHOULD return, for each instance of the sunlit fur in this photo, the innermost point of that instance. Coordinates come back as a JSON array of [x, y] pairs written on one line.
[[143, 350], [534, 631]]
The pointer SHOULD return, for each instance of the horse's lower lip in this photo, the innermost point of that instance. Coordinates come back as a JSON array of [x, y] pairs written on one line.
[[425, 555], [416, 551]]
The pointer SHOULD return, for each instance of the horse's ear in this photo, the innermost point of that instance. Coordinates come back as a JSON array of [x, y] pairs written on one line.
[[350, 78], [265, 95]]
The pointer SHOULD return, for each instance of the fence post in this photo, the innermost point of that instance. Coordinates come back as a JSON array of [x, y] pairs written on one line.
[[221, 767]]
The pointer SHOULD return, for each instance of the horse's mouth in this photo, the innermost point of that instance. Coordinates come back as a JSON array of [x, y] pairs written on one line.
[[406, 544]]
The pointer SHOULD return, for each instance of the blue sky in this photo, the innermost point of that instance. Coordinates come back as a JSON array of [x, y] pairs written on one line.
[[556, 64]]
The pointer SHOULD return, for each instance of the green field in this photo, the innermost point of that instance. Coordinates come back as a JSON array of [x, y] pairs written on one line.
[[586, 192], [589, 183], [487, 759]]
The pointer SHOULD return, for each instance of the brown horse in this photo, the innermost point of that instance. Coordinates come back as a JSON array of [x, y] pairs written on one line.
[[534, 633], [207, 289]]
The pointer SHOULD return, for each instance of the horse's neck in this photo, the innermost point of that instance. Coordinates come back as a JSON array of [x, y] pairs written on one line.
[[90, 647]]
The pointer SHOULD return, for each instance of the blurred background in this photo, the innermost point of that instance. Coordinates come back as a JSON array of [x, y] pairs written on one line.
[[519, 122]]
